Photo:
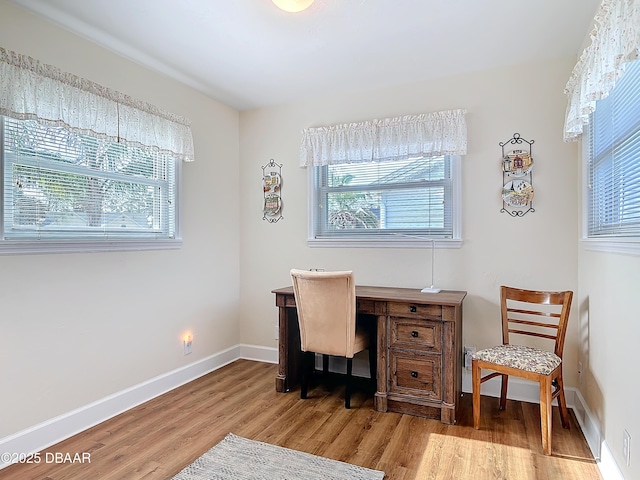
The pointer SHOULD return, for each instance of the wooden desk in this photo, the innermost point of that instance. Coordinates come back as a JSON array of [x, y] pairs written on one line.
[[419, 344]]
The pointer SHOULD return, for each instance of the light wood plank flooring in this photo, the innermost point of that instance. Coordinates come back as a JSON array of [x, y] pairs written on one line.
[[157, 439]]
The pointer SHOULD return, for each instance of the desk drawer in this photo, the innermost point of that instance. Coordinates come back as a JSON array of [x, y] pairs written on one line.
[[423, 335], [366, 306], [416, 374], [411, 310]]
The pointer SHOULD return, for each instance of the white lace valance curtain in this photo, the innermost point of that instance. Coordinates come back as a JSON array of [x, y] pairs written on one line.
[[428, 134], [35, 91], [615, 39]]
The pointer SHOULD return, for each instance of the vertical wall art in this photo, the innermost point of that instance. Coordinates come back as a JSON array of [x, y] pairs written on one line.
[[517, 176], [272, 189]]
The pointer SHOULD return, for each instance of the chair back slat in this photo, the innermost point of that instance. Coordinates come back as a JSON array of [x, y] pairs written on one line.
[[532, 334], [536, 314], [534, 324]]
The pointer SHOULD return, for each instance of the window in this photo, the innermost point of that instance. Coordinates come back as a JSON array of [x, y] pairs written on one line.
[[391, 182], [386, 203], [613, 163], [84, 167], [64, 191]]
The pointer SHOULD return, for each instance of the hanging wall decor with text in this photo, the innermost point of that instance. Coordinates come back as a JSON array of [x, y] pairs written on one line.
[[272, 189], [517, 176]]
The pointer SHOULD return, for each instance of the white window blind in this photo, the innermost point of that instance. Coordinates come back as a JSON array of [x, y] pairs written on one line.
[[60, 185], [394, 199], [614, 160]]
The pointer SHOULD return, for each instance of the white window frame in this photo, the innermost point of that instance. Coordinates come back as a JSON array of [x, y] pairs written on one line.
[[388, 241], [610, 244], [67, 245]]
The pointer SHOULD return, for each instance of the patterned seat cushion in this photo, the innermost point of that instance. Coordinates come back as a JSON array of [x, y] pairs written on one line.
[[522, 357]]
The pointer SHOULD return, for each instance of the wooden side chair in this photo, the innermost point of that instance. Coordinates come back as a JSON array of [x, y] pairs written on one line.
[[537, 314], [326, 304]]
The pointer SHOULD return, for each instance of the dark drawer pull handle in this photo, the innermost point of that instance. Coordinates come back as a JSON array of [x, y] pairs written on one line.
[[413, 309], [414, 374], [414, 334]]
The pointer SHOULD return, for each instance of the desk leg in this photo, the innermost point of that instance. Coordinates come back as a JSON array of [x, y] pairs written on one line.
[[451, 365], [380, 399], [289, 355]]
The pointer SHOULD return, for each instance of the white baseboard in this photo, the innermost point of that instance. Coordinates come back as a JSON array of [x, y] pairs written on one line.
[[600, 448], [50, 432], [258, 353], [54, 430], [339, 365], [608, 466], [588, 424]]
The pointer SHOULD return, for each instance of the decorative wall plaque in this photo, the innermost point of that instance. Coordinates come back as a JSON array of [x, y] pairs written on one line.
[[272, 190], [517, 177]]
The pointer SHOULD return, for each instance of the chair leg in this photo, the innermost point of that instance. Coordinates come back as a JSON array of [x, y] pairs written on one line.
[[545, 413], [325, 365], [475, 373], [503, 392], [307, 359], [347, 395], [562, 402]]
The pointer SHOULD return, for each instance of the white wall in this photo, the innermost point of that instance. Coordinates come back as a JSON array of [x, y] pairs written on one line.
[[536, 251], [610, 341], [75, 328]]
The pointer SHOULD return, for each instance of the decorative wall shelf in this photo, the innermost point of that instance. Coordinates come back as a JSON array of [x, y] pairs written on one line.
[[272, 189], [517, 177]]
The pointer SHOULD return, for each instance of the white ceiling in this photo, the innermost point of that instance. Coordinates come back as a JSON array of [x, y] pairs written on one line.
[[249, 54]]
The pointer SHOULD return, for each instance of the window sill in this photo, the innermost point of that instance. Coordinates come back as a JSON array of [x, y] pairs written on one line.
[[12, 247], [382, 243], [627, 246]]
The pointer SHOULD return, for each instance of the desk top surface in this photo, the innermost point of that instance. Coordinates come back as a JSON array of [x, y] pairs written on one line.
[[412, 295]]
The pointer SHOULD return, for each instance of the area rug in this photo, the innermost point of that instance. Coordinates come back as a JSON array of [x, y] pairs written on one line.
[[237, 458]]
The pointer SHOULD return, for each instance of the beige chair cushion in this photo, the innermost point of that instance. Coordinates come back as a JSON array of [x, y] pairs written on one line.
[[521, 357], [326, 304]]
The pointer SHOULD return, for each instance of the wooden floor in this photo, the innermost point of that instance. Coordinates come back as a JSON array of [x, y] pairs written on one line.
[[157, 439]]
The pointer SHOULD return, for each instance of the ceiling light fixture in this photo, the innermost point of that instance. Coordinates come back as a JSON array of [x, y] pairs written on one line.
[[293, 6]]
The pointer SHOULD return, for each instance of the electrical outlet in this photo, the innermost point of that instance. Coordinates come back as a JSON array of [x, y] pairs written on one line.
[[276, 332], [468, 354], [626, 447], [188, 343]]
